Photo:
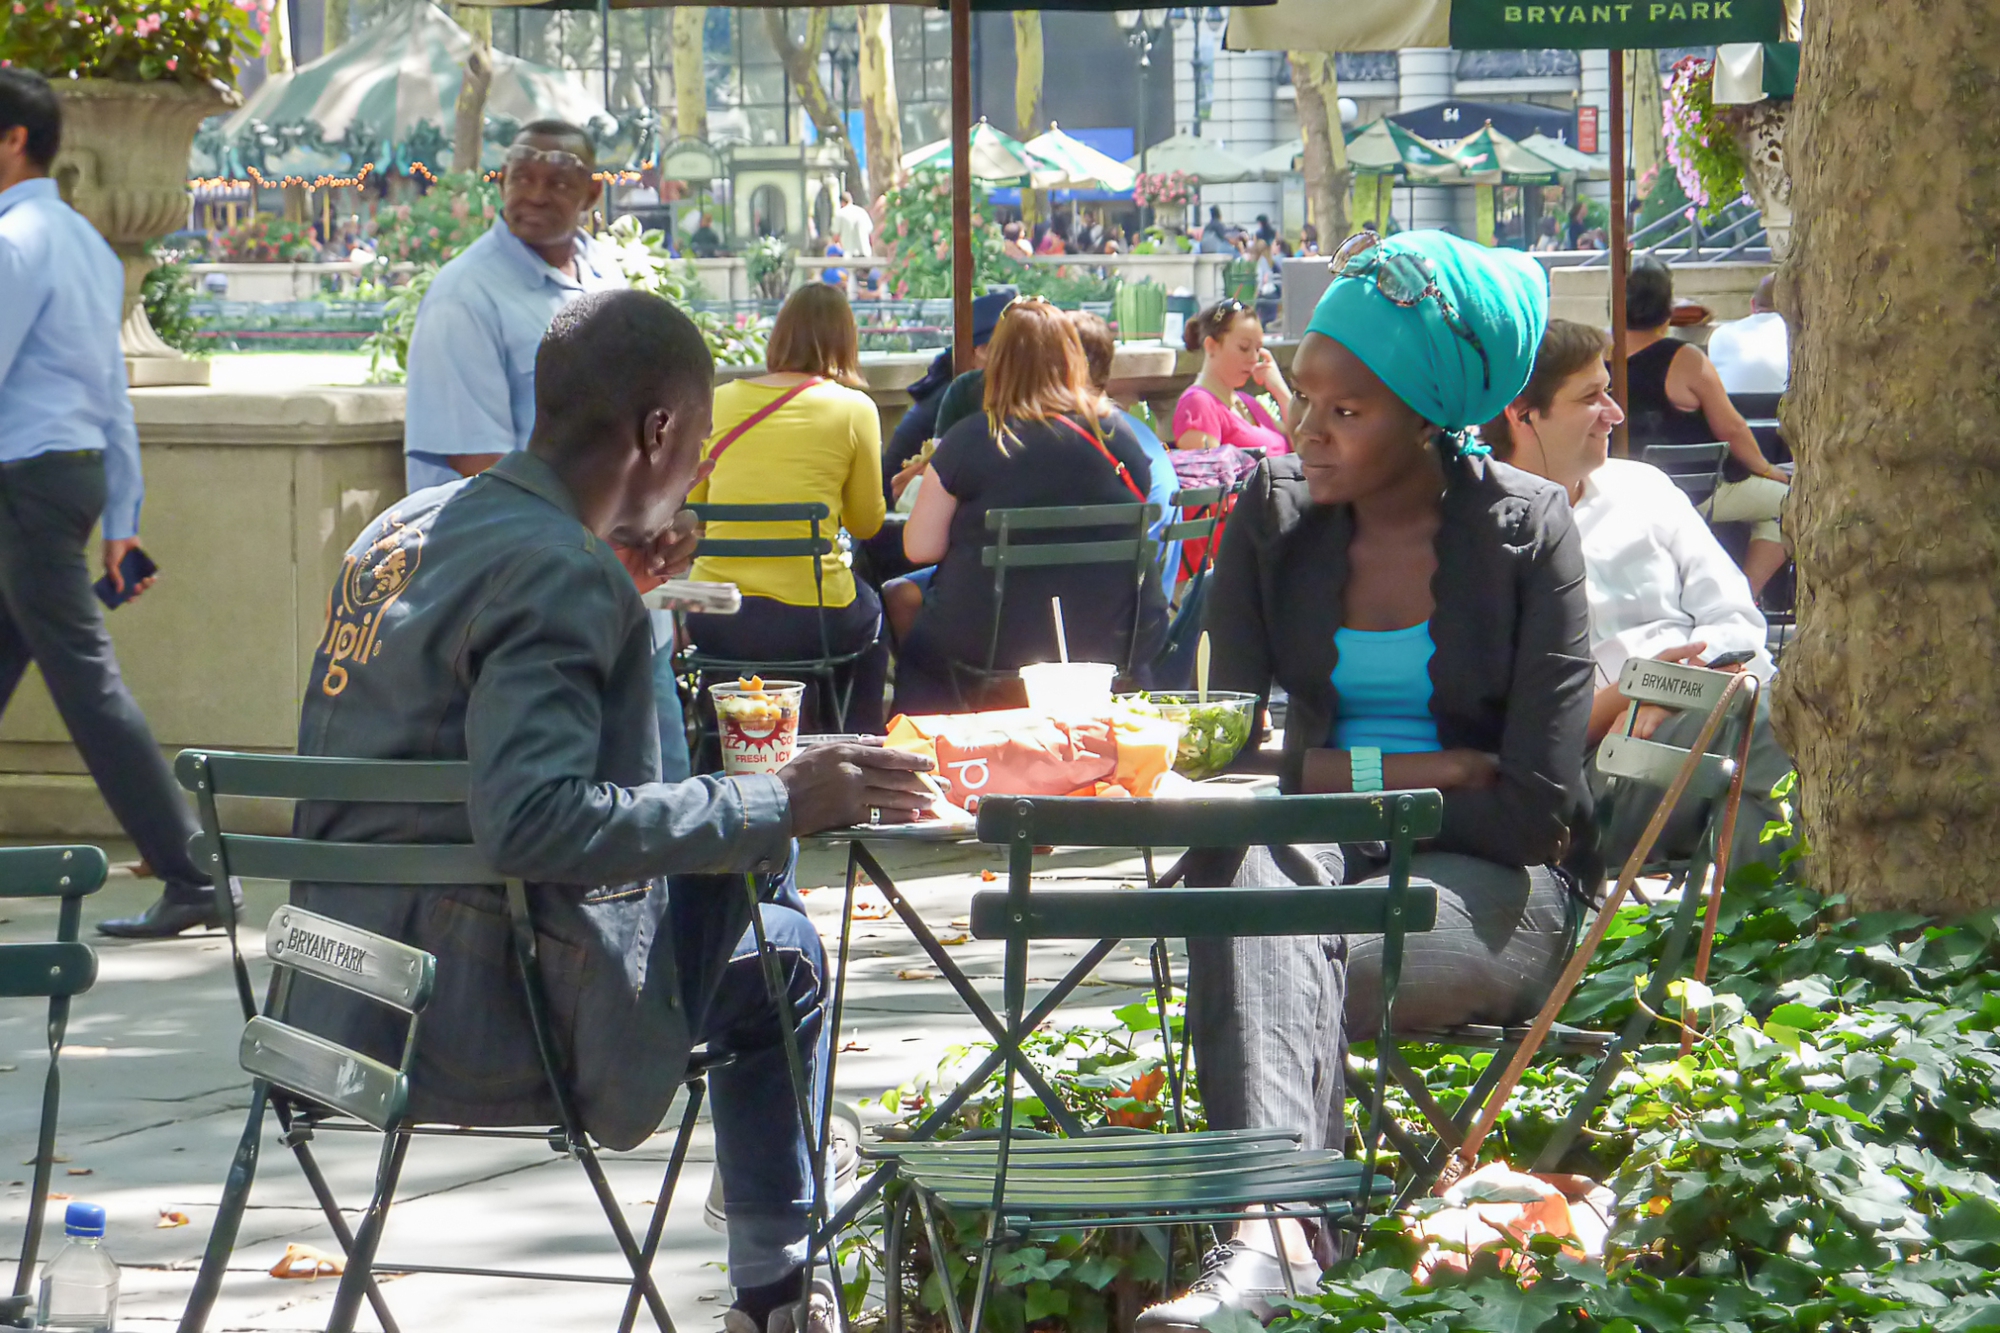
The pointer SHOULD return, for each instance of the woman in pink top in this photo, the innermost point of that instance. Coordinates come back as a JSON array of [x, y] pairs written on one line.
[[1214, 410]]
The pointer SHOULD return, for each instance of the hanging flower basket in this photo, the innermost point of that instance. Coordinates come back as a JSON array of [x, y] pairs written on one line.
[[1165, 189], [1701, 139]]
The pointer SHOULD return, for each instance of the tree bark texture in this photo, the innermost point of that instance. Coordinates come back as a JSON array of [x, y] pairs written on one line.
[[278, 56], [690, 89], [801, 61], [1028, 99], [1890, 697], [1646, 109], [882, 112], [336, 24], [1328, 181], [468, 132]]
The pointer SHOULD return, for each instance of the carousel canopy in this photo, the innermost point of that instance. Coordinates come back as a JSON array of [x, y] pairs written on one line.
[[397, 83]]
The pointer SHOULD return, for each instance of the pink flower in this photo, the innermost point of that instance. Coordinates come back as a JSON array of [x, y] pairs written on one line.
[[173, 62], [147, 25]]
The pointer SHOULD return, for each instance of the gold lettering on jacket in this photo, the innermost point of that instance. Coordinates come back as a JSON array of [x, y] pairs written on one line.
[[370, 583]]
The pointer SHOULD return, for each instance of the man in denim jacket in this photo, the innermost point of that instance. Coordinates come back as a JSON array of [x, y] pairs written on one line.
[[491, 622]]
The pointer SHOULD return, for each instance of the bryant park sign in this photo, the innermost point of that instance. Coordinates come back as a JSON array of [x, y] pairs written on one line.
[[1591, 25]]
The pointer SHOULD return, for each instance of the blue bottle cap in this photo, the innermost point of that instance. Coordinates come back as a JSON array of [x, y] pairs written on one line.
[[84, 1219]]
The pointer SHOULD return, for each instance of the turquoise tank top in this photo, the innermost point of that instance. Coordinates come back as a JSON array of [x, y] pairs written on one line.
[[1383, 683]]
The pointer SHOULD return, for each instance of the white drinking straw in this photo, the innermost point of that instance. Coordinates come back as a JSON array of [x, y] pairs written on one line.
[[1062, 641]]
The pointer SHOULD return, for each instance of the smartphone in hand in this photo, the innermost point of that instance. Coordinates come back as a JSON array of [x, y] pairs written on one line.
[[1737, 658], [135, 569]]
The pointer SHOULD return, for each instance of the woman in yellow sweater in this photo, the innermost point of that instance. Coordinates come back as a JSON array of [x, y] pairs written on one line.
[[802, 432]]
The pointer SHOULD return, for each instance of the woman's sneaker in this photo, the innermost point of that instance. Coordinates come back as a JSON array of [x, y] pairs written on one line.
[[1233, 1277]]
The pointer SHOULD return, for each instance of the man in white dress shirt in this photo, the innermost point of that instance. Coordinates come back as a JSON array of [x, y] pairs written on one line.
[[1754, 354], [1659, 585]]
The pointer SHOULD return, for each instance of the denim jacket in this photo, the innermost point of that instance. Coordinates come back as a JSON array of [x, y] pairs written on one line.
[[482, 621]]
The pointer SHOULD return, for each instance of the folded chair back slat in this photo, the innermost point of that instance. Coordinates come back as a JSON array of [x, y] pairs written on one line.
[[1671, 684], [49, 970], [1650, 762], [356, 862], [1102, 914], [52, 872], [1218, 822], [323, 1071], [313, 778], [386, 970]]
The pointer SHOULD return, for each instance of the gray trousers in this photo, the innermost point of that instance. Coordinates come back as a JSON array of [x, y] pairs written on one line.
[[1624, 809], [49, 616], [1270, 1016]]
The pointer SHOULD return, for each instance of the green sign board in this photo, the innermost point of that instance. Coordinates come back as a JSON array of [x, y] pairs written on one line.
[[1593, 25]]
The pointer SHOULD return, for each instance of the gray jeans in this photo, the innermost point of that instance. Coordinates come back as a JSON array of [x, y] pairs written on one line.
[[49, 616], [1269, 1017]]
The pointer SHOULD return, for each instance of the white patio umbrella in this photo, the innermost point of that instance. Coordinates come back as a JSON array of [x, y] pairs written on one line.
[[1082, 167], [1199, 157], [997, 159]]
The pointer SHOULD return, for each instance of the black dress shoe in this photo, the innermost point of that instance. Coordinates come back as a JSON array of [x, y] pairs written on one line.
[[164, 920]]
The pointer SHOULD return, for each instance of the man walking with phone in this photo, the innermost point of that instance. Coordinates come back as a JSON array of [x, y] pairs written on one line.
[[69, 453]]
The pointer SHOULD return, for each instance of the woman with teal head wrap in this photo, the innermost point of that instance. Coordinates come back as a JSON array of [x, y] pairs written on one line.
[[1422, 606]]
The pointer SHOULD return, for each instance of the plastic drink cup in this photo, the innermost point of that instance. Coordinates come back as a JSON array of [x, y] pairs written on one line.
[[1069, 689], [757, 723]]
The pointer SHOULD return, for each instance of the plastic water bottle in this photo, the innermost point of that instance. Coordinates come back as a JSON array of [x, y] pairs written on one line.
[[80, 1285]]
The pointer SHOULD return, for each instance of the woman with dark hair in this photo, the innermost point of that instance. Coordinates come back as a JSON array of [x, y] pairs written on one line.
[[1423, 607], [1676, 397], [803, 432], [1046, 438], [1215, 410]]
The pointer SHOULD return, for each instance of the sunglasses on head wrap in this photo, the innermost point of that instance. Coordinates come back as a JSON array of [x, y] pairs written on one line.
[[1406, 280], [522, 154]]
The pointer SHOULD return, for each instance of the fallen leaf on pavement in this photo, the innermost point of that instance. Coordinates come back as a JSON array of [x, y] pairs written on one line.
[[305, 1263], [916, 974], [854, 1046], [62, 1198], [987, 876], [873, 911], [8, 1069], [83, 1170], [171, 1217], [955, 939]]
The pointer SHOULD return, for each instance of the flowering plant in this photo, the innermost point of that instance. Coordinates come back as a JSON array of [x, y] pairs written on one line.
[[1701, 143], [266, 238], [916, 239], [192, 42], [1165, 189], [457, 210]]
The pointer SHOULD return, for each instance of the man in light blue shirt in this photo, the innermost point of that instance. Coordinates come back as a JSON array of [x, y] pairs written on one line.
[[470, 395], [471, 382], [69, 452]]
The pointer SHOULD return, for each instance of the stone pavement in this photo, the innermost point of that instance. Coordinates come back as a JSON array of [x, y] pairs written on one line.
[[153, 1105]]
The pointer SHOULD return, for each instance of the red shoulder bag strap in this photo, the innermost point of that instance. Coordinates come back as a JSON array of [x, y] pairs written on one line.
[[743, 427], [1124, 474]]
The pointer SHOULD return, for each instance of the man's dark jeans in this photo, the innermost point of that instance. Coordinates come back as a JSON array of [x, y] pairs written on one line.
[[761, 1149], [49, 616]]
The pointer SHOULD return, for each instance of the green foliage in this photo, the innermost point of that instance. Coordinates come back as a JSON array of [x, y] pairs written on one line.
[[266, 238], [388, 347], [916, 234], [767, 262], [456, 211], [168, 295], [195, 43], [1701, 142]]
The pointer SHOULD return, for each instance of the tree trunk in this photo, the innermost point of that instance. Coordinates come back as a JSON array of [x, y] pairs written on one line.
[[881, 111], [1028, 99], [1889, 698], [468, 133], [278, 58], [336, 24], [690, 91], [801, 61], [1328, 181], [1647, 114]]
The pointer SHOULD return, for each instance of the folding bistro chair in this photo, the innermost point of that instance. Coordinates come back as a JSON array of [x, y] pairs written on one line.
[[57, 971], [1713, 783], [1173, 665], [1008, 552], [825, 669], [312, 1085], [1028, 1183], [1695, 468]]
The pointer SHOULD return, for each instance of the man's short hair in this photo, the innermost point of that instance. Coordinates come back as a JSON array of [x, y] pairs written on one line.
[[551, 128], [26, 99], [608, 359]]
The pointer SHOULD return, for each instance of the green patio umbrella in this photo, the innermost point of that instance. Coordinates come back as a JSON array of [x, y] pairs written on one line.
[[998, 159], [1385, 148], [1202, 158], [1082, 167], [1488, 157], [402, 74], [1566, 158]]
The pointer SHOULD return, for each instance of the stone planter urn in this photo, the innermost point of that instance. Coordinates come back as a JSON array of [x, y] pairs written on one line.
[[123, 164], [1760, 133]]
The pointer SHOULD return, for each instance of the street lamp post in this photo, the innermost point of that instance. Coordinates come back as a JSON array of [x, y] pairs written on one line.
[[1198, 17], [1142, 28]]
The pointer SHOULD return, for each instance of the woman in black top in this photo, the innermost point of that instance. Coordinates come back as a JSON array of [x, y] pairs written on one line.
[[1675, 396], [1045, 439], [1380, 532]]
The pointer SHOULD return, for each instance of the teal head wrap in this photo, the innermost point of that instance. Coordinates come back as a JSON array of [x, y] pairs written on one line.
[[1498, 301]]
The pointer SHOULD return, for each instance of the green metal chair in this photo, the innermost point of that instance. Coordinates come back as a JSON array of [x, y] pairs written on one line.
[[1026, 1182], [1641, 769], [1008, 551], [57, 971], [824, 670], [292, 1067]]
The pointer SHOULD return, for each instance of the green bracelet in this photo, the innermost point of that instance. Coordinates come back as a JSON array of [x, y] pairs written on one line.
[[1364, 765]]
